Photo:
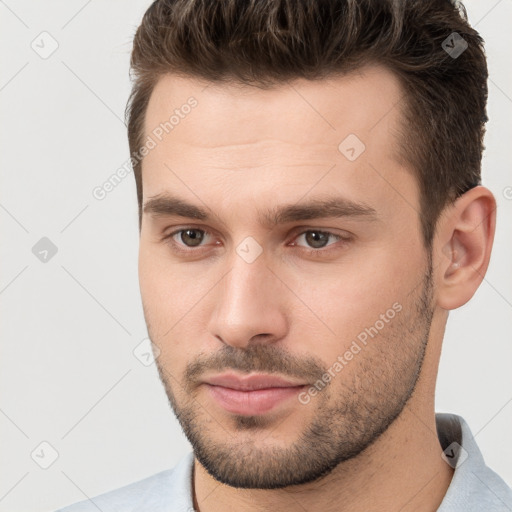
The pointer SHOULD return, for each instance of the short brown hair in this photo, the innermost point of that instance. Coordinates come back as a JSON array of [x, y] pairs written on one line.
[[263, 43]]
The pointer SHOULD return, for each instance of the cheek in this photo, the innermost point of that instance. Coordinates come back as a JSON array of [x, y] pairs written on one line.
[[158, 293], [164, 286], [171, 301], [351, 297]]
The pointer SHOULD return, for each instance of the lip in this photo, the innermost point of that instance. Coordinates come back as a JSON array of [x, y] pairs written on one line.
[[251, 394], [251, 382]]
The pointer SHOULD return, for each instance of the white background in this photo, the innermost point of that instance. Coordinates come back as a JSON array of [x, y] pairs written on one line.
[[69, 326]]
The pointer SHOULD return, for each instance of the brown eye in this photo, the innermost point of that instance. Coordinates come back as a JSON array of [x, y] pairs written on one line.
[[317, 239], [191, 237]]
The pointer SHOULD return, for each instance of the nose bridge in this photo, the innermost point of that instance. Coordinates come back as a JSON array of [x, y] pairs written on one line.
[[247, 302]]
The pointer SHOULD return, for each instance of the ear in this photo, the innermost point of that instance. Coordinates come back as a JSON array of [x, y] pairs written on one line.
[[462, 246]]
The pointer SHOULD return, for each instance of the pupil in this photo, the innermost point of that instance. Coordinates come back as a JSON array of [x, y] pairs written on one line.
[[316, 238]]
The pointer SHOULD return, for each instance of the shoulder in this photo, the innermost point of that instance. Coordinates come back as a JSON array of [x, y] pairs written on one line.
[[474, 487], [156, 493]]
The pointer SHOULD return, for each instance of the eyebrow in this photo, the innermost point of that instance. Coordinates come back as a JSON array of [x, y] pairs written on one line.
[[165, 205]]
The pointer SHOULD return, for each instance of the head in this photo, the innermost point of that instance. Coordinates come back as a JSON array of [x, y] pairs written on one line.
[[309, 206]]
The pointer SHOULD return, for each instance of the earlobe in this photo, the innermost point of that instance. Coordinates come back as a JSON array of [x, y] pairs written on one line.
[[465, 235]]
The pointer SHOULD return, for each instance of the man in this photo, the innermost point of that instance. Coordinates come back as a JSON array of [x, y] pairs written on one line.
[[308, 178]]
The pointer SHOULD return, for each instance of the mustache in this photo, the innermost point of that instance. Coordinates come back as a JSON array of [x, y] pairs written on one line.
[[260, 358]]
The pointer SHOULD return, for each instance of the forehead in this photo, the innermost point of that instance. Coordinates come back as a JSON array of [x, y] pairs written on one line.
[[210, 139], [301, 111]]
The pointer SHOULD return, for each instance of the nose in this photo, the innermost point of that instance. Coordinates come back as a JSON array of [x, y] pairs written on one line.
[[249, 305]]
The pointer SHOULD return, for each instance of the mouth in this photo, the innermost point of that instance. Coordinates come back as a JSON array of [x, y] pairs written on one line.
[[251, 394]]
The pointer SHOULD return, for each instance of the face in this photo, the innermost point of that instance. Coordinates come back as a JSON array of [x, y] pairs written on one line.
[[281, 236]]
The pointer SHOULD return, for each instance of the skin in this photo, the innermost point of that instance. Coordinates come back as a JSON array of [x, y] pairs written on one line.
[[367, 441]]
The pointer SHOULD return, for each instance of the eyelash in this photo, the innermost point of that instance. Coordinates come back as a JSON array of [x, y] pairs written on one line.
[[169, 239]]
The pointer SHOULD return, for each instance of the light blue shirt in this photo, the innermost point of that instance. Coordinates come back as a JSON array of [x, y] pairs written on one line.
[[474, 487]]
